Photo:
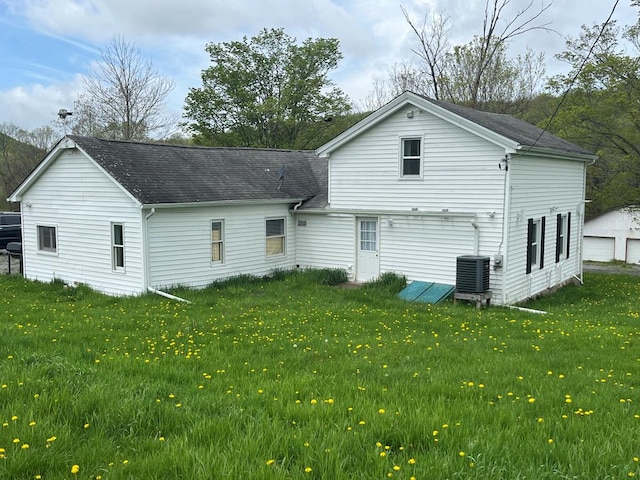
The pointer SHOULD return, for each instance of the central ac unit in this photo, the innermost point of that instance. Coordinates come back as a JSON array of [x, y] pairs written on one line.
[[472, 274]]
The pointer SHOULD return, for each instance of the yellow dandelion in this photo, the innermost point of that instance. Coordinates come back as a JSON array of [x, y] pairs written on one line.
[[75, 469], [313, 401], [381, 411], [462, 454], [396, 467], [308, 470], [24, 446], [270, 462]]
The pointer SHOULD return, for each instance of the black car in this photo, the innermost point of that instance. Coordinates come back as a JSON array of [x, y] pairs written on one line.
[[10, 228]]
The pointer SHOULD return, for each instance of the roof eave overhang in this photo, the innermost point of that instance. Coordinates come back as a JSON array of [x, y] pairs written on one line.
[[221, 203], [554, 153]]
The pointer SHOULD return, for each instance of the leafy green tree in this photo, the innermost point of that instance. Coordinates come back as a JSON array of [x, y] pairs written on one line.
[[600, 111], [265, 91]]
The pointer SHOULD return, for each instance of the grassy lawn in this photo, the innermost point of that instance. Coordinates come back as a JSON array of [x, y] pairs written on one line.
[[290, 379]]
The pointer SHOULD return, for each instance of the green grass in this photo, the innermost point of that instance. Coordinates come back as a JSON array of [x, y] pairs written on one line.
[[292, 379]]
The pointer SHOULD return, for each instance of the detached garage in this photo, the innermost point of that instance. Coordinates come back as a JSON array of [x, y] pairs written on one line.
[[614, 235]]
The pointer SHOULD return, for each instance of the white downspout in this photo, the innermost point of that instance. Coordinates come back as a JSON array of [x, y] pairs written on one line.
[[476, 236], [145, 247]]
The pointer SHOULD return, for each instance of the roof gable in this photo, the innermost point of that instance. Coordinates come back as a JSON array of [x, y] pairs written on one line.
[[505, 130], [157, 174]]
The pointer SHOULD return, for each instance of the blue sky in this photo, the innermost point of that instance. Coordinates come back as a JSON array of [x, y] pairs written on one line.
[[46, 46]]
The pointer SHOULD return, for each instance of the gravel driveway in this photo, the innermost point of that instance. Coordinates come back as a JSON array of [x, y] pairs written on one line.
[[4, 263]]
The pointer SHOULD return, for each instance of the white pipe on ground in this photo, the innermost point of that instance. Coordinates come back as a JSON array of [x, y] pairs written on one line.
[[168, 295]]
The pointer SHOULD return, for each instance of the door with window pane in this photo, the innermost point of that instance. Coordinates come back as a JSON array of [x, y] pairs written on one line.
[[368, 264]]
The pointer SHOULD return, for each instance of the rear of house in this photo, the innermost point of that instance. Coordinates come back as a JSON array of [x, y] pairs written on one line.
[[408, 189], [420, 183]]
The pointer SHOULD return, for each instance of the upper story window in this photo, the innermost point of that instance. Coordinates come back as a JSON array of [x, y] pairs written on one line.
[[217, 241], [275, 235], [47, 239], [411, 157]]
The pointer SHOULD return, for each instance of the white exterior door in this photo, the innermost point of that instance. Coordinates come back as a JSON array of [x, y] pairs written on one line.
[[368, 263]]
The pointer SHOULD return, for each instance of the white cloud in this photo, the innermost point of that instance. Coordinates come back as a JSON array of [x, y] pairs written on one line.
[[33, 106]]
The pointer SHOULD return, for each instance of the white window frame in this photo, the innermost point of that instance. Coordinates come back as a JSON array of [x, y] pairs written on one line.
[[271, 240], [535, 244], [562, 236], [404, 156], [118, 253], [51, 243], [217, 242]]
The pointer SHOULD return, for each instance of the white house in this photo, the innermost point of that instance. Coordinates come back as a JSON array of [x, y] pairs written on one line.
[[408, 189], [614, 235]]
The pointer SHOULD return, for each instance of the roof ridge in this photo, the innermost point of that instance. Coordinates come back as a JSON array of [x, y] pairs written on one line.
[[176, 145]]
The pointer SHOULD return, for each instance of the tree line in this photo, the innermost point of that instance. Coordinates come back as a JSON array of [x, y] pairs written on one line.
[[272, 91]]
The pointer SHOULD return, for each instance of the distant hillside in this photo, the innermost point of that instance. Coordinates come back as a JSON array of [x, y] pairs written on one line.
[[17, 160]]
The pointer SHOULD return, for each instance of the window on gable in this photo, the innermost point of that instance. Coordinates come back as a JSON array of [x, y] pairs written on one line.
[[275, 236], [535, 244], [47, 239], [217, 241], [411, 157], [117, 246], [563, 232]]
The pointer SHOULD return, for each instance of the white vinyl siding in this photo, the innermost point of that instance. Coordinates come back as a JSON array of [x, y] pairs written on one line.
[[180, 244], [83, 211], [325, 241], [539, 188], [424, 248]]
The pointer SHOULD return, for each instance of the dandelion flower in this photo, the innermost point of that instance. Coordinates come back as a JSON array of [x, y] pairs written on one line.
[[308, 470], [381, 411], [462, 454], [75, 469], [270, 462]]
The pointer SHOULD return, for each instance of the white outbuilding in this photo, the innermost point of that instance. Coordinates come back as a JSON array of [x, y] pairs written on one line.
[[614, 235]]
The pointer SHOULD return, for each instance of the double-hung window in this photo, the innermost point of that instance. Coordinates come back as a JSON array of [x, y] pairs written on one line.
[[411, 157], [563, 232], [117, 246], [275, 236], [217, 241], [535, 244], [47, 239]]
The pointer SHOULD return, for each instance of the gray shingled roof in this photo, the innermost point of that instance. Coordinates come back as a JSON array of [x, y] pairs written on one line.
[[161, 173], [524, 133]]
